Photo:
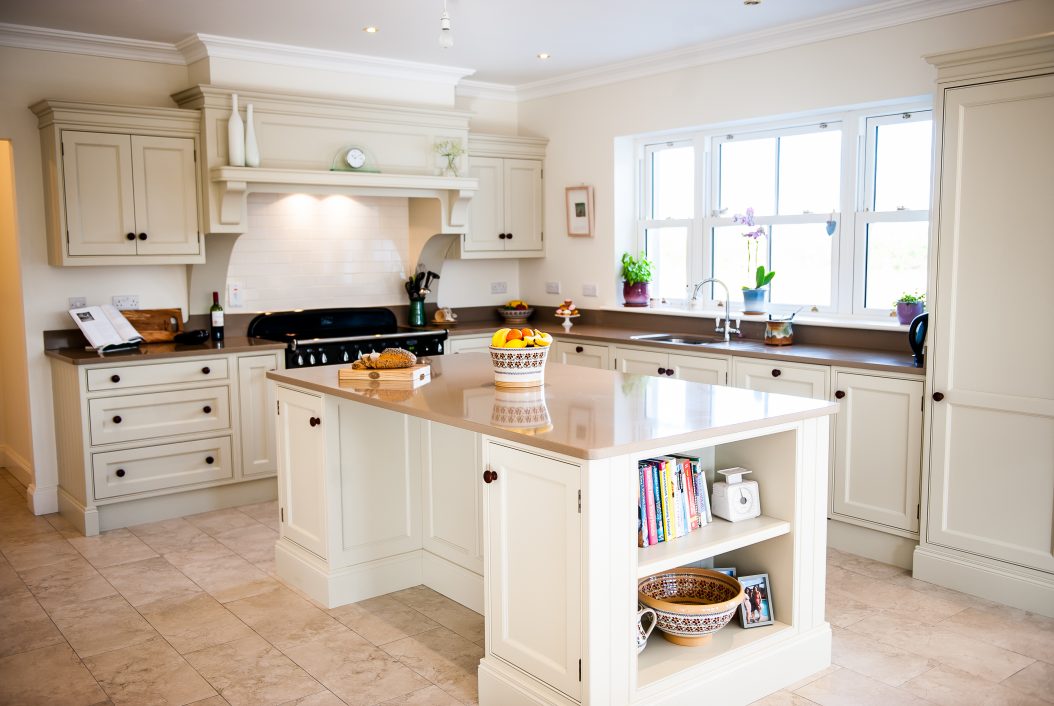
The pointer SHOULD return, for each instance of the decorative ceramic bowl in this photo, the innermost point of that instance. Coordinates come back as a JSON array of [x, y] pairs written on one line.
[[515, 316], [519, 367], [691, 604]]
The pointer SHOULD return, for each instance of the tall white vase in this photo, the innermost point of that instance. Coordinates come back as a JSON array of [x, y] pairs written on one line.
[[252, 150], [236, 135]]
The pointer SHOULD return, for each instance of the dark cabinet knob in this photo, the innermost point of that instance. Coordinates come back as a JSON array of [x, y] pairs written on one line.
[[938, 396], [117, 419], [501, 236], [662, 371], [115, 378], [490, 476], [206, 370], [314, 421], [579, 349], [209, 460], [669, 372], [776, 372], [142, 236], [119, 473], [130, 236], [839, 394], [206, 409]]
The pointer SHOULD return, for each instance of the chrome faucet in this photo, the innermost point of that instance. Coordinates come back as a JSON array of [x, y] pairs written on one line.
[[727, 328]]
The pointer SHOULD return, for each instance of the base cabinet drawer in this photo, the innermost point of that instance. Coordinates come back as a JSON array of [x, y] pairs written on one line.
[[583, 354], [184, 371], [153, 415], [161, 467]]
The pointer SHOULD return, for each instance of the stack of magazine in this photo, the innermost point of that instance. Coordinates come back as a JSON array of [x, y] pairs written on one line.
[[673, 499]]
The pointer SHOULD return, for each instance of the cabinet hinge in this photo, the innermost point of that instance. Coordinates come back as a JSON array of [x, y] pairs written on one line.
[[62, 148], [579, 670], [281, 514], [918, 512], [277, 406], [579, 502]]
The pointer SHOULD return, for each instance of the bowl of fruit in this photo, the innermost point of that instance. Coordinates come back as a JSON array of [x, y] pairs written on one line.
[[515, 312], [518, 356]]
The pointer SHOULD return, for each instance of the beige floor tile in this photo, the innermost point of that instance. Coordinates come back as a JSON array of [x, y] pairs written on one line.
[[9, 579], [101, 625], [448, 613], [149, 673], [249, 671], [24, 524], [812, 677], [383, 619], [843, 610], [227, 578], [25, 553], [847, 688], [60, 523], [73, 581], [24, 625], [444, 658], [887, 664], [783, 698], [211, 701], [1037, 679], [353, 669], [254, 543], [964, 600], [950, 648], [322, 698], [149, 580], [265, 513], [905, 602], [198, 549], [948, 686], [192, 623], [284, 618], [167, 535], [212, 523], [863, 565], [429, 696], [50, 675], [1025, 633], [114, 547]]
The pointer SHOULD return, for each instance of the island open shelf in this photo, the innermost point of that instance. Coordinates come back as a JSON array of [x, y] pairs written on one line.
[[662, 659], [718, 537]]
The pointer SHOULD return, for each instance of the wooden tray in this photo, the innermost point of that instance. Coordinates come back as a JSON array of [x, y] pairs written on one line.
[[417, 374], [155, 325]]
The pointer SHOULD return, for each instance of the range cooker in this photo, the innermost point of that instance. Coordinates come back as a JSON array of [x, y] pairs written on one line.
[[337, 336]]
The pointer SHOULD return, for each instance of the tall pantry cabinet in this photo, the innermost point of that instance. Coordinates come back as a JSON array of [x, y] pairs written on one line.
[[989, 459]]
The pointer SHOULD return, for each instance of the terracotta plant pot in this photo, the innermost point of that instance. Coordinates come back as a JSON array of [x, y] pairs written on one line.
[[907, 311], [635, 294]]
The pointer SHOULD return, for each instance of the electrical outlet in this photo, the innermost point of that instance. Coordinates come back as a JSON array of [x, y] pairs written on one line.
[[589, 290], [125, 301], [499, 287], [77, 302], [234, 295], [552, 287]]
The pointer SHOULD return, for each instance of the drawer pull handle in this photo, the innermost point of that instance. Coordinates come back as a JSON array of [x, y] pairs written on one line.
[[119, 473], [776, 372], [142, 236], [839, 394], [938, 396], [117, 419], [115, 378], [662, 371], [579, 349], [669, 372], [509, 236], [206, 409], [501, 236], [130, 236], [490, 476], [209, 460], [314, 421], [206, 370]]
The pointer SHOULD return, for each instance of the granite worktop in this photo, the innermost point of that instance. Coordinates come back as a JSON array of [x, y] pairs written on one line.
[[158, 351]]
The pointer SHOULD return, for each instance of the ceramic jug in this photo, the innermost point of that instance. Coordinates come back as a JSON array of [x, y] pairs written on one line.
[[642, 633]]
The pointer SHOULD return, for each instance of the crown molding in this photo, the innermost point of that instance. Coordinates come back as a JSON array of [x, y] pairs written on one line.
[[58, 40], [835, 26], [488, 91], [200, 46]]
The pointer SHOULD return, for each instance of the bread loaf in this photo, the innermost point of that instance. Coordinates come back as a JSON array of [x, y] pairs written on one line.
[[385, 360]]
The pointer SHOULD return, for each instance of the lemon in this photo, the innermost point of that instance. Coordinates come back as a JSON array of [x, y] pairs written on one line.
[[516, 343], [543, 339], [498, 339], [529, 340]]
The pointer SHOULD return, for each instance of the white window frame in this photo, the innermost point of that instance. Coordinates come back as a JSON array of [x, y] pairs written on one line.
[[644, 221]]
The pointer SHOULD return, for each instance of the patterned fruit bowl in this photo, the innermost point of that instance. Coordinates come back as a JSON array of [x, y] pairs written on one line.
[[691, 604], [519, 367], [515, 317]]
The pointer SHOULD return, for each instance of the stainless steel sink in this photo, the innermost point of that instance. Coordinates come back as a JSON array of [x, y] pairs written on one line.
[[683, 339]]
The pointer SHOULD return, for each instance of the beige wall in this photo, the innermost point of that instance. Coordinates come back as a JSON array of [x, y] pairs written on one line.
[[582, 126]]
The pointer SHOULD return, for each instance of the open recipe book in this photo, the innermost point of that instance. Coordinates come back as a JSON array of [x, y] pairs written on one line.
[[106, 328]]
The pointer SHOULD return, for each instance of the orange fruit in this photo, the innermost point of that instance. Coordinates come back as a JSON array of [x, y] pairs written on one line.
[[513, 335], [526, 332]]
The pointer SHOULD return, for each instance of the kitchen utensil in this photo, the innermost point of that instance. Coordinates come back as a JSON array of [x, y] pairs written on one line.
[[155, 325], [779, 332], [917, 336]]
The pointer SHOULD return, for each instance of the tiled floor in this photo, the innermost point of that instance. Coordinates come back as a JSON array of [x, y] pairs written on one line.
[[188, 611]]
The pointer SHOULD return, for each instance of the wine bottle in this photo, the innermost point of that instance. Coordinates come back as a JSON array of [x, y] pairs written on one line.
[[217, 317]]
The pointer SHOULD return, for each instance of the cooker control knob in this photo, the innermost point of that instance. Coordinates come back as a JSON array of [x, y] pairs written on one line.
[[344, 355], [324, 358], [311, 358], [300, 360]]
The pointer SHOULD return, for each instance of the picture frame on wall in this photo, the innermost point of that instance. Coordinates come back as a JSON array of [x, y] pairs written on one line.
[[579, 202], [756, 609]]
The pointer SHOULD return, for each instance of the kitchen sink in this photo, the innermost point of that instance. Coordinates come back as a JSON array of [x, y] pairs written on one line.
[[683, 339]]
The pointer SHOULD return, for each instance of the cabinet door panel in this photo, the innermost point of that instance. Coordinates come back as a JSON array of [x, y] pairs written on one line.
[[97, 177], [469, 345], [453, 515], [486, 212], [878, 450], [628, 360], [165, 191], [712, 371], [256, 404], [301, 476], [534, 609], [783, 378], [523, 204]]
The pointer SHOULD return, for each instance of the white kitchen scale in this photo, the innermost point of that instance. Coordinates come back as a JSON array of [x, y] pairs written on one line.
[[736, 499]]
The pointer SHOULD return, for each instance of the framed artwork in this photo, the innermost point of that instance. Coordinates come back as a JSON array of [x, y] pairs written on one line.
[[729, 571], [580, 211], [756, 609]]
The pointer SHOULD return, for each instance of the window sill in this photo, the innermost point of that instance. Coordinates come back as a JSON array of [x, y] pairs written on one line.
[[800, 319]]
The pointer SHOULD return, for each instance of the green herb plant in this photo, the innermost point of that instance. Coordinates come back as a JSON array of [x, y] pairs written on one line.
[[636, 270], [915, 298]]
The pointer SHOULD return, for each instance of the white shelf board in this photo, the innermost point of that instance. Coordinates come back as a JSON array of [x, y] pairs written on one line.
[[661, 658], [718, 537]]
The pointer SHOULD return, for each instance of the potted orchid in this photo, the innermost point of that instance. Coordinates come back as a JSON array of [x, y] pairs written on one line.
[[754, 297]]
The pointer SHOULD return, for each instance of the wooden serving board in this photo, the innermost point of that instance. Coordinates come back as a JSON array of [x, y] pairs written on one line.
[[155, 325], [419, 373]]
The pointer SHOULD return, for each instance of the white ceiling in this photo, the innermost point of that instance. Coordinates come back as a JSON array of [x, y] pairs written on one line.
[[499, 39]]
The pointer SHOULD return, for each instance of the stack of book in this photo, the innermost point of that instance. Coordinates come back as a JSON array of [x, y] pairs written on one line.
[[673, 499]]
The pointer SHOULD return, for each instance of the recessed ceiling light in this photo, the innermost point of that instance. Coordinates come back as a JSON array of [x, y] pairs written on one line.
[[544, 55], [370, 30]]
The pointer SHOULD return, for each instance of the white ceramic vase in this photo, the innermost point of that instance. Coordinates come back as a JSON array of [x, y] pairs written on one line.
[[236, 135], [252, 150]]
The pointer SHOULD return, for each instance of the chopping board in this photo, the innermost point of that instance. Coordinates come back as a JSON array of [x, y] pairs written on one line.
[[155, 325], [415, 374]]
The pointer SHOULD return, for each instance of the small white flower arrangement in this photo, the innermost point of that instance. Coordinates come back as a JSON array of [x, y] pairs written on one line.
[[451, 149]]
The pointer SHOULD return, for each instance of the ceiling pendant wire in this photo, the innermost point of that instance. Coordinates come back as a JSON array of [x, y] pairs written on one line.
[[446, 34]]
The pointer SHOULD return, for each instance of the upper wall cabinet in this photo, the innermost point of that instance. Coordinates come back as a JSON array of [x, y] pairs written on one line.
[[505, 216], [121, 184]]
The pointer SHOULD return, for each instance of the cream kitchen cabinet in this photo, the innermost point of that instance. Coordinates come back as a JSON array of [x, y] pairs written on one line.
[[877, 454], [799, 379], [588, 355], [468, 344], [144, 440], [121, 187], [712, 370], [988, 511], [302, 455], [505, 216]]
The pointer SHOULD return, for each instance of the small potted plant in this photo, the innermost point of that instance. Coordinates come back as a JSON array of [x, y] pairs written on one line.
[[754, 297], [909, 306], [636, 276]]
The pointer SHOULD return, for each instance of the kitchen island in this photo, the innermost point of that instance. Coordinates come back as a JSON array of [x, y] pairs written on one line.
[[522, 505]]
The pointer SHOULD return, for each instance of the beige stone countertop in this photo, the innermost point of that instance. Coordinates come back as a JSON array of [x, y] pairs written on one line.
[[580, 412], [157, 351], [887, 361]]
